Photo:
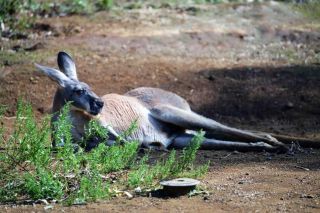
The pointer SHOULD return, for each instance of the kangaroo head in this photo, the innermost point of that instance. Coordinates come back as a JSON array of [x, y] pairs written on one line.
[[70, 88]]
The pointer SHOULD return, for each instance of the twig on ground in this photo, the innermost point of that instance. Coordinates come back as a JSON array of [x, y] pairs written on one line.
[[301, 167]]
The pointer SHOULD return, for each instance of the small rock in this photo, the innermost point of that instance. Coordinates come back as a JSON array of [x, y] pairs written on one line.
[[130, 196], [49, 33], [103, 177], [77, 29], [306, 196], [138, 190], [48, 207], [290, 105], [206, 198], [2, 27], [70, 176], [53, 201], [33, 80], [42, 201]]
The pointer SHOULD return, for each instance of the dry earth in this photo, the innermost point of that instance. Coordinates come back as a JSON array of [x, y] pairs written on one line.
[[254, 66]]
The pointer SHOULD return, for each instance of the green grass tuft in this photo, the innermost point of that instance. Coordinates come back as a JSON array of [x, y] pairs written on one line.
[[144, 175]]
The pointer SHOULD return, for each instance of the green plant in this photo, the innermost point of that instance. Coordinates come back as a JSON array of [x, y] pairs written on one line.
[[42, 184], [78, 6], [16, 14], [112, 159], [105, 4], [26, 149], [30, 169], [145, 175], [92, 188], [141, 174], [189, 154]]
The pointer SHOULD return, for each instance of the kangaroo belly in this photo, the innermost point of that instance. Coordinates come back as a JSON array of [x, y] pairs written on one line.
[[121, 111]]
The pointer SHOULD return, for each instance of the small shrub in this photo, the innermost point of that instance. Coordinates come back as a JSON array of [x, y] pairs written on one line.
[[189, 153], [145, 175], [114, 158], [26, 149], [105, 4], [43, 184], [141, 174], [91, 188]]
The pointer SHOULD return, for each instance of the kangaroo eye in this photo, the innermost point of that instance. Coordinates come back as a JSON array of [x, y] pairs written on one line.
[[79, 92]]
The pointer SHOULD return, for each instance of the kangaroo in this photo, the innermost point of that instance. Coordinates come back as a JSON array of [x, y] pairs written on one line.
[[164, 119]]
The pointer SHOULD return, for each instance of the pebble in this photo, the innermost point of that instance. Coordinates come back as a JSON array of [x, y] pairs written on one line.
[[43, 201], [130, 196], [48, 207], [306, 196], [138, 190], [290, 105], [206, 198]]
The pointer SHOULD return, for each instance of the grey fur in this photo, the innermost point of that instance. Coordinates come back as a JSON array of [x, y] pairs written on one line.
[[54, 74], [66, 65]]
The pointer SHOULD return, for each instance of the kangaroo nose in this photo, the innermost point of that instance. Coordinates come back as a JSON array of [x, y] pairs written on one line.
[[99, 103]]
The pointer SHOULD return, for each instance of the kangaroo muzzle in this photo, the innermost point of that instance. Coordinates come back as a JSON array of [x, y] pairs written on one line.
[[96, 106]]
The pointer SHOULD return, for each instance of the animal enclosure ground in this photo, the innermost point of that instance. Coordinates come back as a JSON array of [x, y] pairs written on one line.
[[252, 66]]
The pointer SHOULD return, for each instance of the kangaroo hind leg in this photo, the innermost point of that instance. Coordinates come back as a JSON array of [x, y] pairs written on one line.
[[183, 140], [194, 121]]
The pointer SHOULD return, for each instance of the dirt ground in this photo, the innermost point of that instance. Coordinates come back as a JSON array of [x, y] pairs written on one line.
[[252, 66]]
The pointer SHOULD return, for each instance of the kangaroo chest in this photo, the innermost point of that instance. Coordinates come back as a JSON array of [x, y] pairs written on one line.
[[120, 112], [79, 122]]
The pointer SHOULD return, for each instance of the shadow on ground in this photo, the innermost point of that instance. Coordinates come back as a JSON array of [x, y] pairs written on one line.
[[288, 98]]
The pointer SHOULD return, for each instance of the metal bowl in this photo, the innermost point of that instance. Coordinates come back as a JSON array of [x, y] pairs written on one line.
[[179, 186]]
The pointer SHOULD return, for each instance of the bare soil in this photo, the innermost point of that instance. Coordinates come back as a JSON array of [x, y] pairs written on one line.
[[253, 66]]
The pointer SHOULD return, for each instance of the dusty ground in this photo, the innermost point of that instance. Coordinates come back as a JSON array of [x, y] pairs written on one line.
[[252, 66]]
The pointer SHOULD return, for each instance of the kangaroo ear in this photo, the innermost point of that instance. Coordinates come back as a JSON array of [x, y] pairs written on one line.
[[54, 74], [66, 65]]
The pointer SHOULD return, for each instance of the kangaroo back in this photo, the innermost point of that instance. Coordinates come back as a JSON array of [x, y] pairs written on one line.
[[152, 97]]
